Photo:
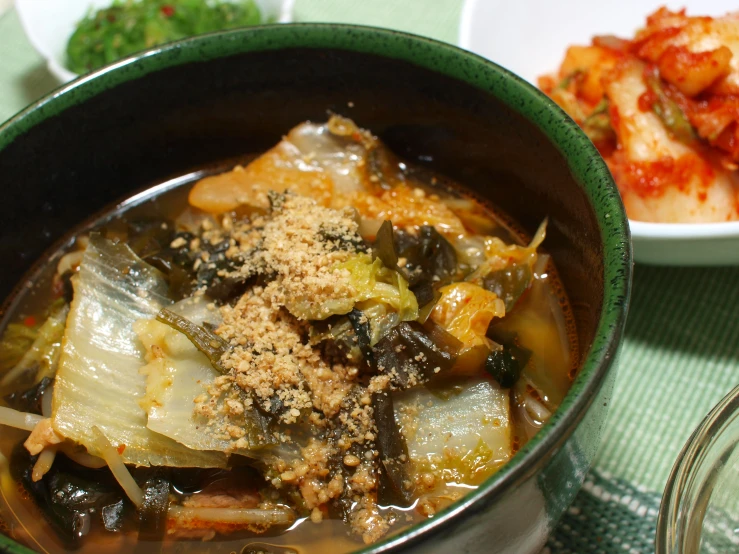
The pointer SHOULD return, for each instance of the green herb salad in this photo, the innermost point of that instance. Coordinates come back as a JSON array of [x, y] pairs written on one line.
[[129, 26]]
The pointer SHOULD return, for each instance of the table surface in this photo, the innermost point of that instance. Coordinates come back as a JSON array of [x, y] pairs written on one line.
[[679, 358]]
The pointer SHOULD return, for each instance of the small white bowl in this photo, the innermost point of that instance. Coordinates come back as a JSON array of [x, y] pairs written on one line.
[[49, 24], [530, 38]]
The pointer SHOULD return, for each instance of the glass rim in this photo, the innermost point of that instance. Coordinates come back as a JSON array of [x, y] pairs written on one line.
[[672, 531]]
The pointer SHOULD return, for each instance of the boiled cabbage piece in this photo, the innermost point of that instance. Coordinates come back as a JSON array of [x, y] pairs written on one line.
[[321, 161], [98, 383], [461, 434], [177, 373]]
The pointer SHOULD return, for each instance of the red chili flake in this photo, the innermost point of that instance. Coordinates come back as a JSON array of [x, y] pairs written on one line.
[[120, 449], [30, 321], [167, 10]]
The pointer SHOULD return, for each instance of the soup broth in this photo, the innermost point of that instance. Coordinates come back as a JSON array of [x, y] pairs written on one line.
[[307, 353]]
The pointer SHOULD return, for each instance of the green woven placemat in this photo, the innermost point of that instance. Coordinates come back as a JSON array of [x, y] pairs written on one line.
[[679, 358]]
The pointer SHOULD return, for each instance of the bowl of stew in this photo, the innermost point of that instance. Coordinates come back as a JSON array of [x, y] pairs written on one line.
[[303, 288]]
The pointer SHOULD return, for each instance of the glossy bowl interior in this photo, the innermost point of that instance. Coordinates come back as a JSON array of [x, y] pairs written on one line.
[[700, 506], [199, 102]]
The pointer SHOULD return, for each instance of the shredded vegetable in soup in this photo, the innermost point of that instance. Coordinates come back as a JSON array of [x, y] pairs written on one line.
[[662, 109], [322, 348]]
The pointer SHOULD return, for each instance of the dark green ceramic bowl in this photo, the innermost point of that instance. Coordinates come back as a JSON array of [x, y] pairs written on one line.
[[193, 103]]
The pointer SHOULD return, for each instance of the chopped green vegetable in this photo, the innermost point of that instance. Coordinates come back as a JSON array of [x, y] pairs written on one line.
[[672, 116], [374, 281], [598, 124], [206, 341], [130, 26]]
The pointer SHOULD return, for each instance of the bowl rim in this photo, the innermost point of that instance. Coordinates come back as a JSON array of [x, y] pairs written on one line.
[[670, 531], [585, 164]]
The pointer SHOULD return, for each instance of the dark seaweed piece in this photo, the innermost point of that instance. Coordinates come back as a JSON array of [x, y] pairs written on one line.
[[67, 288], [383, 167], [429, 257], [114, 516], [71, 498], [175, 263], [440, 258], [362, 333], [29, 400], [384, 247], [181, 282], [274, 406], [181, 255], [506, 364], [412, 353], [153, 512], [220, 275], [509, 283], [425, 309], [149, 236], [395, 484], [503, 367], [210, 344], [352, 243], [424, 293], [226, 288], [342, 334]]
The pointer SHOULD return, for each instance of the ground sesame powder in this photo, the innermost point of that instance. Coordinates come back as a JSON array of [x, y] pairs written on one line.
[[293, 253]]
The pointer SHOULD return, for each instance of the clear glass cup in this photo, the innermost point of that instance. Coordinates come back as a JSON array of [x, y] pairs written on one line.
[[700, 507]]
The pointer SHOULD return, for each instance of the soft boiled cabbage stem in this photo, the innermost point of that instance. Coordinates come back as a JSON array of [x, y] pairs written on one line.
[[98, 382]]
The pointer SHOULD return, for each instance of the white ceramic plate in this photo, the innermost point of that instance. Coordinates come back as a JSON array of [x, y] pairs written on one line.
[[530, 37], [49, 24]]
